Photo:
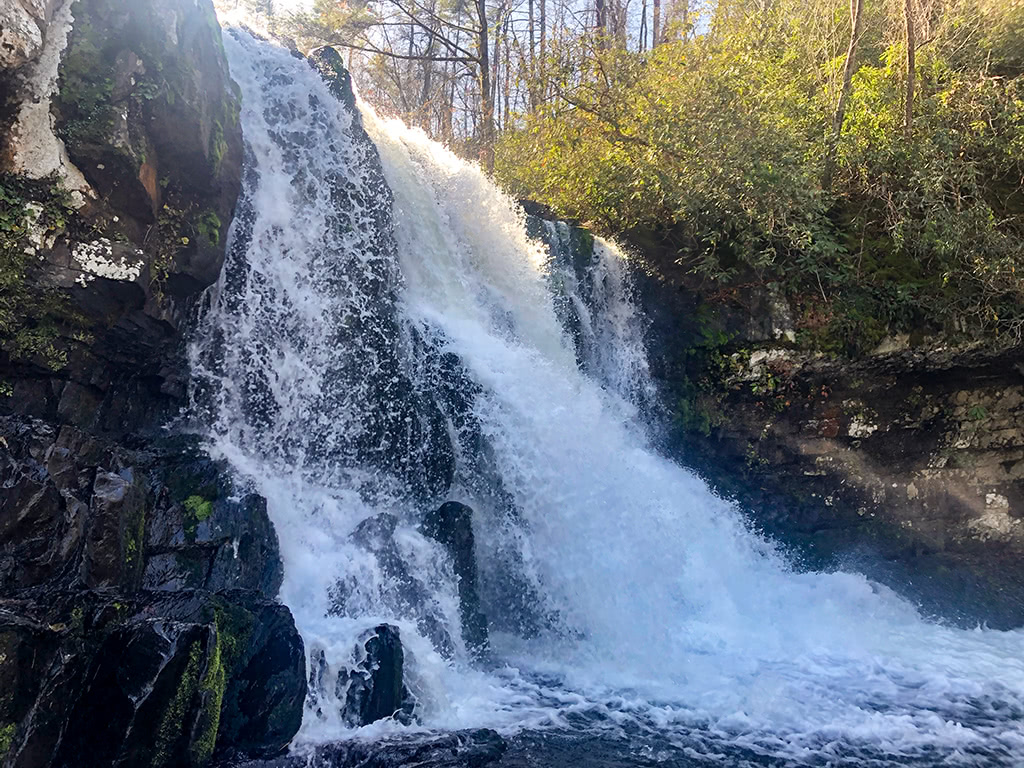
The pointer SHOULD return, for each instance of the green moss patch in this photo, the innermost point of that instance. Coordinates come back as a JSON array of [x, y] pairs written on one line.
[[208, 227], [174, 719], [197, 509], [211, 689], [6, 738]]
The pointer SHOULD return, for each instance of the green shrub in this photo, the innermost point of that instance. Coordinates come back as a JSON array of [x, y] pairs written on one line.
[[719, 141]]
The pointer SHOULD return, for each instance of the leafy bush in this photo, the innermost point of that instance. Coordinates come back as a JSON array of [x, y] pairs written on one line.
[[31, 213], [718, 143]]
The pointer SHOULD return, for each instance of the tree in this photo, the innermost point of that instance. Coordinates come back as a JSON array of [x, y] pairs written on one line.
[[486, 97], [908, 15], [415, 32], [856, 19]]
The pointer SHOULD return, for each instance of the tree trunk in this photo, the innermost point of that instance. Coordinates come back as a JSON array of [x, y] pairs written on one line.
[[601, 19], [486, 133], [543, 49], [428, 78], [618, 11], [532, 60], [856, 17], [656, 24], [507, 85], [643, 26], [908, 120]]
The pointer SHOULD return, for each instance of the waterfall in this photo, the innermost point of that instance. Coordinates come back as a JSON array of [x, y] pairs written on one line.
[[387, 336]]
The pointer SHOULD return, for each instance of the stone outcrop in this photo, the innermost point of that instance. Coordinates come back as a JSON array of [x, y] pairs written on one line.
[[375, 689], [451, 525], [138, 582], [22, 24], [120, 174], [906, 462], [146, 680]]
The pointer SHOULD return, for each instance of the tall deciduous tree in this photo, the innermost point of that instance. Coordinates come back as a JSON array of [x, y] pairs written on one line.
[[856, 25], [908, 15]]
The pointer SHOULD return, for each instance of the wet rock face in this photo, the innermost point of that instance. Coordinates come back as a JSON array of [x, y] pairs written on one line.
[[374, 689], [329, 64], [121, 162], [137, 584], [137, 581], [165, 681], [149, 115], [906, 462], [79, 512], [451, 525], [370, 689], [409, 438]]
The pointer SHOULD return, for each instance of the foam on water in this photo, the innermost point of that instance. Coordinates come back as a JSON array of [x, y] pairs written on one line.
[[657, 606]]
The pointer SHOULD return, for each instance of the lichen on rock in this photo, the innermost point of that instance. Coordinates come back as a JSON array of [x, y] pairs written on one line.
[[96, 260]]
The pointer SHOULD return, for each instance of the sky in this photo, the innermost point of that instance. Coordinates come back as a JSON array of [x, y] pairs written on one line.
[[292, 5]]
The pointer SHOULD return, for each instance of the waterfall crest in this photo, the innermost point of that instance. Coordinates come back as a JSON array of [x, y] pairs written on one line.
[[387, 336]]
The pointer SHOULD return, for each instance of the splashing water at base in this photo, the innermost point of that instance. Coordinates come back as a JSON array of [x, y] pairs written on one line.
[[624, 597]]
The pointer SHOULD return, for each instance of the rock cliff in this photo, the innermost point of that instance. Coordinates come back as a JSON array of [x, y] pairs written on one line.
[[136, 579], [905, 461]]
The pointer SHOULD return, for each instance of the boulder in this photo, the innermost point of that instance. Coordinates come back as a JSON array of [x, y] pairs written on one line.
[[451, 525], [78, 512], [210, 532], [92, 617], [374, 689], [176, 679]]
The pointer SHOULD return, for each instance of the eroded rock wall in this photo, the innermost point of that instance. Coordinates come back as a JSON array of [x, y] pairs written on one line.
[[138, 584], [906, 461]]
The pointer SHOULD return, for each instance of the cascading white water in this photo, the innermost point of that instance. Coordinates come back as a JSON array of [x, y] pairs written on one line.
[[598, 308], [652, 604]]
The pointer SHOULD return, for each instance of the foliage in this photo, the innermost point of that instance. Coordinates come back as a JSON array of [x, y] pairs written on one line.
[[32, 213], [197, 509], [717, 141], [6, 737]]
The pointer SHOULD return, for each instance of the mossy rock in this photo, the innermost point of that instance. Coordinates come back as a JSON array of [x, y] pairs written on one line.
[[169, 680], [33, 315], [149, 113]]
